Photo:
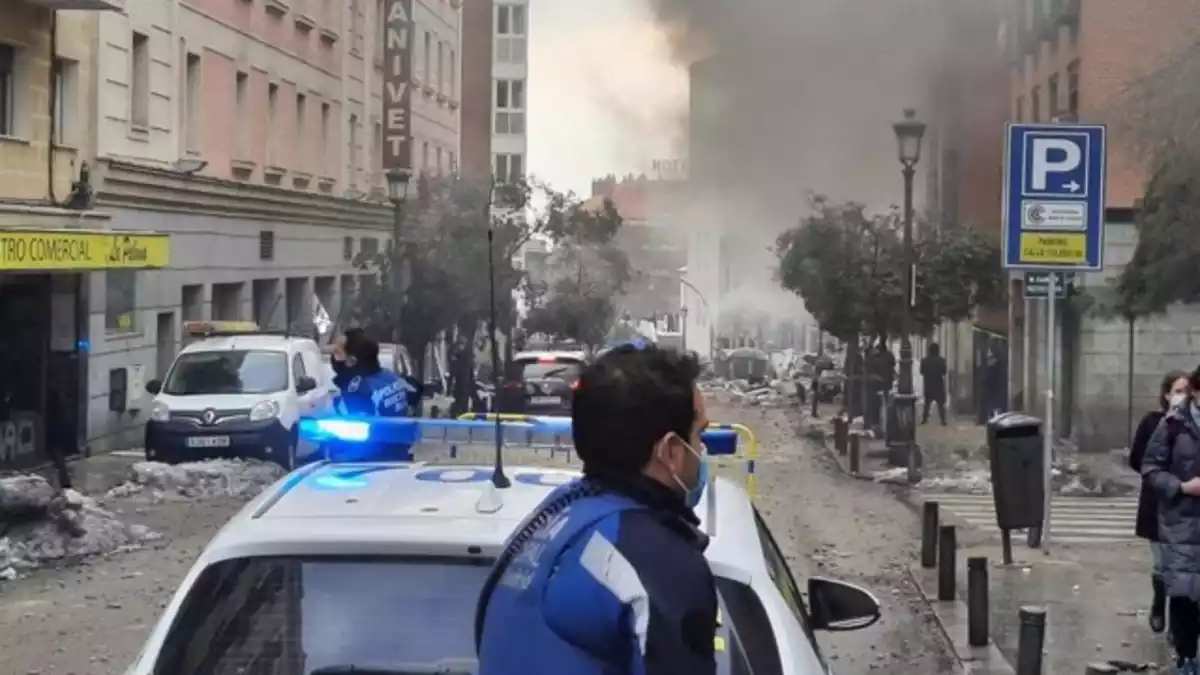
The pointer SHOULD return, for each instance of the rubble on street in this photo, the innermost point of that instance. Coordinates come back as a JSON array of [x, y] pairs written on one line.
[[198, 480], [774, 394], [40, 524]]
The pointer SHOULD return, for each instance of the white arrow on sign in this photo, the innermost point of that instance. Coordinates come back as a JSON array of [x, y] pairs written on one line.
[[1073, 186]]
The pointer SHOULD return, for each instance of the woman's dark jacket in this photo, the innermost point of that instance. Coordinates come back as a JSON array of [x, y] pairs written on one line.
[[1147, 511], [1173, 458]]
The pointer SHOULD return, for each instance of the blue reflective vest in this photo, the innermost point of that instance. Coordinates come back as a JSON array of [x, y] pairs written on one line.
[[524, 630], [381, 394]]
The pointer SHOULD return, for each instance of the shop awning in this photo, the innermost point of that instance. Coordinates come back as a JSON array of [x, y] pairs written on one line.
[[52, 250]]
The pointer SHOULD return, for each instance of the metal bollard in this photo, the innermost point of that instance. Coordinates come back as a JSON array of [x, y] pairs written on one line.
[[1031, 640], [841, 427], [855, 456], [1101, 669], [977, 602], [947, 563], [929, 535]]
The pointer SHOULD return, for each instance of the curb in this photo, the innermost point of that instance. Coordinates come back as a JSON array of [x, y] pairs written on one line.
[[951, 617]]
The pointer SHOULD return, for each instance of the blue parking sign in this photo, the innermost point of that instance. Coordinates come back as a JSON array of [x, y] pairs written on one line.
[[1054, 197]]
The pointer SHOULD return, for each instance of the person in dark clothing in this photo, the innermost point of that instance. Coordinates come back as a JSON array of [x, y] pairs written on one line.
[[1172, 393], [373, 390], [608, 575], [343, 357], [933, 378], [1171, 467]]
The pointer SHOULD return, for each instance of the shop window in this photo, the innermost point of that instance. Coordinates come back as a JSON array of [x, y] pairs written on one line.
[[120, 308]]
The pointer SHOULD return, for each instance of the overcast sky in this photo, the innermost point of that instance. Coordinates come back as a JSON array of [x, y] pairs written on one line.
[[603, 94]]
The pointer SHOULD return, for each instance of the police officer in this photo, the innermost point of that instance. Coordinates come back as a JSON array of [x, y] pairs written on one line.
[[608, 575], [373, 390]]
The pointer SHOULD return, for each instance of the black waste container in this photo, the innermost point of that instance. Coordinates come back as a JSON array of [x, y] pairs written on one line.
[[1015, 457]]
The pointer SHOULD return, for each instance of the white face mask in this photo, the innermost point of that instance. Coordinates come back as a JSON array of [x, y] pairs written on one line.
[[1177, 400]]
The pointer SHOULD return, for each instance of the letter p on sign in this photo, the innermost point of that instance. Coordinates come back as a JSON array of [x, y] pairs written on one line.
[[1041, 166]]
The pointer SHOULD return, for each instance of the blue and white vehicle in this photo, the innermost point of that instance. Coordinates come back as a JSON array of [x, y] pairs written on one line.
[[348, 566]]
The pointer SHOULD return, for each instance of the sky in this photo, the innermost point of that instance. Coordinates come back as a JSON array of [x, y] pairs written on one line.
[[604, 95]]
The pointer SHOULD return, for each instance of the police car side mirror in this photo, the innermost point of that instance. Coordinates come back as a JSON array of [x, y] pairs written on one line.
[[837, 606], [154, 386], [305, 384]]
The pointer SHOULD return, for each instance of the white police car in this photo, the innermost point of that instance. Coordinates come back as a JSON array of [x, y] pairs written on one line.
[[237, 392], [376, 567]]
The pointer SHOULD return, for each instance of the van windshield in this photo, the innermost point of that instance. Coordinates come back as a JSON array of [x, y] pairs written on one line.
[[228, 372]]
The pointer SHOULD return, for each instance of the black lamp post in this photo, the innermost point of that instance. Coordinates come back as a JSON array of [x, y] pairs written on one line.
[[909, 133], [398, 184]]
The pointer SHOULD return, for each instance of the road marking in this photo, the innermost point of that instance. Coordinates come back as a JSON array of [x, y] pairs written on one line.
[[1073, 520]]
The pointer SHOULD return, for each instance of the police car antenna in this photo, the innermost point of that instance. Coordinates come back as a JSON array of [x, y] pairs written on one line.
[[498, 478]]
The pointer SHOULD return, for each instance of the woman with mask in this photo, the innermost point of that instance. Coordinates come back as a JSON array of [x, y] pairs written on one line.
[[1171, 467], [1171, 394]]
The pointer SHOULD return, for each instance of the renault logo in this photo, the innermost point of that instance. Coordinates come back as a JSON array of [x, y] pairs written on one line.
[[210, 416]]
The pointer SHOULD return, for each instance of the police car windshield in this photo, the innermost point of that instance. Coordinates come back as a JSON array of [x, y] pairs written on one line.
[[228, 372], [311, 615]]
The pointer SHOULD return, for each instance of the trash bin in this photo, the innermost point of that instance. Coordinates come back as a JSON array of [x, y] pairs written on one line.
[[1015, 459]]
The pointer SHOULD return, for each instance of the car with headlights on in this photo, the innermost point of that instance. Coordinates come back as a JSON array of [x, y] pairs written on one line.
[[237, 392]]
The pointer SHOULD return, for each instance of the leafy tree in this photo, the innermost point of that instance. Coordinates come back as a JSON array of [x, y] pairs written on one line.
[[849, 267], [587, 272]]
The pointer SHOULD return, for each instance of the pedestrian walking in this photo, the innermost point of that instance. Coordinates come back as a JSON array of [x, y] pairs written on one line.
[[608, 576], [933, 379], [1172, 393], [1172, 467]]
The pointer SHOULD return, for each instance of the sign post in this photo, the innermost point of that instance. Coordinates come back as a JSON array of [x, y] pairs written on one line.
[[1053, 222]]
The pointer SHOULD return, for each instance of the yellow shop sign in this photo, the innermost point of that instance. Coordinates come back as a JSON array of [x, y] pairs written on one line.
[[24, 250]]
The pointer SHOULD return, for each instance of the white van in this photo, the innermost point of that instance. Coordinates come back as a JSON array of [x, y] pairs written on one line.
[[238, 392]]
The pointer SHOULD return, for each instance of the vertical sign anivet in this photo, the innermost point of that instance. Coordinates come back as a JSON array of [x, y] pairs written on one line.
[[397, 90]]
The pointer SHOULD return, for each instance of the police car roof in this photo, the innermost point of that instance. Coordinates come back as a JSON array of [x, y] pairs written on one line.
[[397, 509]]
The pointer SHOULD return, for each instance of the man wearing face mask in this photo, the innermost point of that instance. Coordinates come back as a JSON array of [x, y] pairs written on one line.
[[607, 576]]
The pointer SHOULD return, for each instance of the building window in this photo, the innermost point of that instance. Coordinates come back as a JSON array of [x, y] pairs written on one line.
[[347, 248], [1020, 109], [510, 106], [1073, 87], [120, 306], [441, 67], [191, 104], [424, 154], [266, 245], [453, 89], [428, 62], [66, 98], [272, 124], [380, 28], [1035, 105], [1052, 96], [241, 87], [510, 33], [437, 160], [325, 111], [353, 150], [139, 81], [377, 146], [8, 90], [509, 168]]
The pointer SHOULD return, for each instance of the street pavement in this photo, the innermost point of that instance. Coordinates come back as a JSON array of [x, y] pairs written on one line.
[[91, 619], [1073, 520]]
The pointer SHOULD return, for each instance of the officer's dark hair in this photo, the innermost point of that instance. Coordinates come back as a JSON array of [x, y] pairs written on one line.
[[626, 401], [366, 353]]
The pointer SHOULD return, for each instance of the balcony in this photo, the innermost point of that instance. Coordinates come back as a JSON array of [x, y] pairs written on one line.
[[86, 5]]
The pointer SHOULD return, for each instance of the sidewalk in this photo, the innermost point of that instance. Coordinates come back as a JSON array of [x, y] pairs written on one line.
[[1095, 603]]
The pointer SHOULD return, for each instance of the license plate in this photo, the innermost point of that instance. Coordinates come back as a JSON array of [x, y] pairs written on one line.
[[208, 442], [545, 400]]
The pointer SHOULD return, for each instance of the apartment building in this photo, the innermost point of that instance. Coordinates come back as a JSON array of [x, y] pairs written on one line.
[[510, 75], [50, 238], [235, 144], [1072, 60]]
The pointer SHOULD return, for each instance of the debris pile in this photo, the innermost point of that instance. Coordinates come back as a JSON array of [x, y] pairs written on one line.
[[238, 478], [773, 394], [39, 524]]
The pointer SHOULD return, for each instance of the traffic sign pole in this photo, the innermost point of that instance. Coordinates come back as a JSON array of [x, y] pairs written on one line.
[[1048, 440]]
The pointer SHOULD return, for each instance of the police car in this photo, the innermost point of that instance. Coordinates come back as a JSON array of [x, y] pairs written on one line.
[[375, 567], [237, 392]]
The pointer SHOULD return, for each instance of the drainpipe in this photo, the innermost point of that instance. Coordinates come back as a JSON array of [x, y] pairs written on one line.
[[53, 99]]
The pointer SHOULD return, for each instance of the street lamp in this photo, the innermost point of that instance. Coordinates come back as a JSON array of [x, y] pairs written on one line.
[[909, 133], [398, 183]]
